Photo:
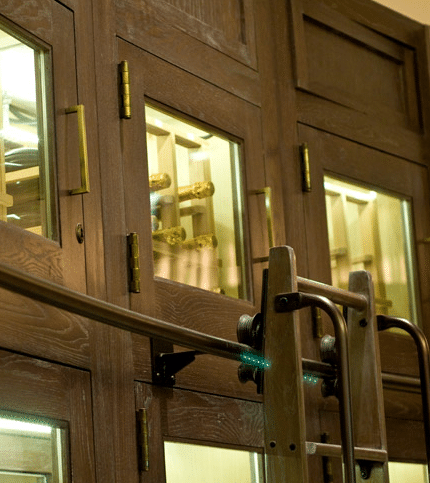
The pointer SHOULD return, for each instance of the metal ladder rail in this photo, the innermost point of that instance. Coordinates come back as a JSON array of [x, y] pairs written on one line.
[[285, 444], [386, 322], [283, 330], [367, 394]]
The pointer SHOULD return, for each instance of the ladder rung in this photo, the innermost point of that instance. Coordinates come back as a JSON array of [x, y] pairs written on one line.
[[335, 450]]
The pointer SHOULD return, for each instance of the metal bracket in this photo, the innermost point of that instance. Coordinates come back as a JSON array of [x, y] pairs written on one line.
[[166, 365]]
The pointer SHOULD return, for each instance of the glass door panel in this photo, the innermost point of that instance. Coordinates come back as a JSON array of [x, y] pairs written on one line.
[[371, 230], [32, 450], [407, 472], [194, 463], [196, 205], [26, 191]]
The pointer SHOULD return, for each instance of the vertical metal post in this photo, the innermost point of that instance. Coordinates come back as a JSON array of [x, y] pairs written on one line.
[[284, 410], [385, 322], [365, 369]]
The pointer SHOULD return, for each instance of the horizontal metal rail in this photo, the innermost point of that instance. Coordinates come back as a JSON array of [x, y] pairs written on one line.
[[335, 450], [395, 382], [90, 307], [336, 295], [75, 302]]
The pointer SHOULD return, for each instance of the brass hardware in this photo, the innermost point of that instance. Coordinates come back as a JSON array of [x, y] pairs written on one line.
[[133, 262], [79, 230], [124, 88], [143, 435], [172, 236], [306, 170], [200, 242], [269, 214], [317, 327], [83, 152], [159, 181], [199, 190]]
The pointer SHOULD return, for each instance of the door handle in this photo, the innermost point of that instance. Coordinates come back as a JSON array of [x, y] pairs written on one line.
[[83, 152]]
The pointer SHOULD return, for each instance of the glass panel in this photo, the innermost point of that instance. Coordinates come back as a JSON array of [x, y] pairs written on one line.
[[407, 472], [371, 230], [192, 463], [25, 197], [196, 205], [31, 450]]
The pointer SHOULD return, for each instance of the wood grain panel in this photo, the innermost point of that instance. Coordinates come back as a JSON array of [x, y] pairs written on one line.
[[35, 17], [406, 440], [225, 25], [224, 15], [34, 328], [202, 417], [151, 30], [377, 17], [337, 119], [28, 252], [34, 386], [341, 60]]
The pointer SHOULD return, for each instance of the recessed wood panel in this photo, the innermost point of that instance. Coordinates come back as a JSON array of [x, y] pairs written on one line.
[[225, 25], [340, 59]]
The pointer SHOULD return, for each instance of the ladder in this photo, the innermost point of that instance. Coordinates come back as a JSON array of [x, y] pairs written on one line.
[[356, 353]]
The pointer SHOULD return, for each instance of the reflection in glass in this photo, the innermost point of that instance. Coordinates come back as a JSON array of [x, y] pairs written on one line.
[[192, 463], [407, 472], [196, 205], [371, 230], [25, 197], [31, 451]]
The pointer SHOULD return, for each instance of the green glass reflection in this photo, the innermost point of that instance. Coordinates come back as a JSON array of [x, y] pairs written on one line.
[[193, 463], [25, 193], [31, 451], [371, 230], [196, 205]]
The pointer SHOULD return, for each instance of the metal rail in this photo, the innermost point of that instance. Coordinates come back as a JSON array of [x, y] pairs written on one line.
[[395, 382], [90, 307]]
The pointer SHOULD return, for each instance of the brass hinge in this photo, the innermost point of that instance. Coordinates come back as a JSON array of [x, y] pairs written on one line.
[[124, 90], [306, 170], [143, 439], [133, 262]]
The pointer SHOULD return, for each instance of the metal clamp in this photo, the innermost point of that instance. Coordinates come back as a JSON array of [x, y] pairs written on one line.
[[83, 152], [294, 301], [385, 322]]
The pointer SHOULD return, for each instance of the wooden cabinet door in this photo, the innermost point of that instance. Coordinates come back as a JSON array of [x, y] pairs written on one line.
[[157, 83], [36, 391], [332, 157], [198, 422], [48, 27]]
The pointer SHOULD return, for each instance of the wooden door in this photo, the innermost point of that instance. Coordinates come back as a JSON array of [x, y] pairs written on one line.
[[363, 166], [200, 422], [361, 96], [157, 83], [51, 395], [53, 253]]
